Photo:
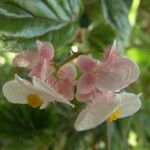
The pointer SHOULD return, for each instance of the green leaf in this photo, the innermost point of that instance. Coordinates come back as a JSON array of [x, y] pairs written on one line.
[[25, 21], [99, 36], [116, 14], [9, 10], [93, 10]]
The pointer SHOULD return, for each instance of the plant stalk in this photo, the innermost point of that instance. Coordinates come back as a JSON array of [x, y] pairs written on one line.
[[107, 143], [70, 58]]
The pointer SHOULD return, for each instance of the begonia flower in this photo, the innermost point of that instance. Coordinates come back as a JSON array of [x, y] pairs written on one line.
[[97, 86], [114, 73], [34, 60], [36, 94], [103, 106], [64, 80], [40, 64]]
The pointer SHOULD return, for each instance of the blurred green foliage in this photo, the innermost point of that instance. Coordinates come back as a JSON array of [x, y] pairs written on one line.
[[90, 24]]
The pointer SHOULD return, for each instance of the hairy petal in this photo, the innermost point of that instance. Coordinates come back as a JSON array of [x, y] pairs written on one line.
[[45, 49], [68, 71], [46, 70], [86, 63], [95, 96], [65, 88], [53, 94], [36, 71], [83, 97], [86, 83], [27, 59], [110, 54]]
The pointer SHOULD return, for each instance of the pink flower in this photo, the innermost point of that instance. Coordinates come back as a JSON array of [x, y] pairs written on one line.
[[64, 81], [40, 65], [114, 73], [97, 85], [34, 61]]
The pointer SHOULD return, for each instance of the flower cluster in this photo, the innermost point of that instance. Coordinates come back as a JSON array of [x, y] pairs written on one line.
[[98, 86]]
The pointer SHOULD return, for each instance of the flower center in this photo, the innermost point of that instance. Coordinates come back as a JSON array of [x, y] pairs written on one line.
[[115, 115], [34, 100]]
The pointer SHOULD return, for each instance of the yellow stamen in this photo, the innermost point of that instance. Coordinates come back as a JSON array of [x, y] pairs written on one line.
[[34, 100], [115, 115]]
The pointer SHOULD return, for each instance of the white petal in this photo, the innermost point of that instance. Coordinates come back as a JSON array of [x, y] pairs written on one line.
[[15, 92], [114, 45], [133, 68], [44, 105], [33, 90], [130, 104], [24, 82], [94, 114], [53, 95]]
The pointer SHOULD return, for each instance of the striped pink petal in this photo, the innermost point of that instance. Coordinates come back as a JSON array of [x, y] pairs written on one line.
[[68, 71], [45, 49], [86, 83], [27, 59], [66, 89], [86, 63], [123, 73]]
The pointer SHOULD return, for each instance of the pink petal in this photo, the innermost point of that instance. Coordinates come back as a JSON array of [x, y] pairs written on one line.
[[86, 63], [83, 97], [110, 58], [68, 71], [111, 53], [133, 70], [42, 70], [36, 71], [27, 59], [45, 49], [52, 81], [53, 94], [95, 96], [86, 83], [123, 73], [65, 88]]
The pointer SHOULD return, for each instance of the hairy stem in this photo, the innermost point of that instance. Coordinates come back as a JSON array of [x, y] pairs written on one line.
[[70, 58]]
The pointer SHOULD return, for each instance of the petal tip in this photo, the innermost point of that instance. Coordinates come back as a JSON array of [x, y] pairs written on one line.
[[17, 78]]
